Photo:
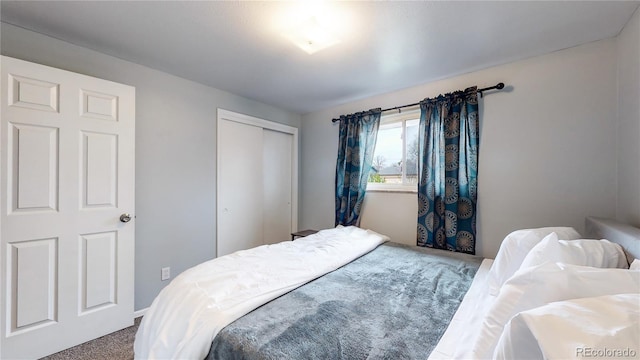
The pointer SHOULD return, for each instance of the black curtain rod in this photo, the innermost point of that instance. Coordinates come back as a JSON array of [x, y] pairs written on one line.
[[498, 86]]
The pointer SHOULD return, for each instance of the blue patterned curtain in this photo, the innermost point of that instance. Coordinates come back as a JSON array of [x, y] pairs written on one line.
[[448, 186], [358, 133]]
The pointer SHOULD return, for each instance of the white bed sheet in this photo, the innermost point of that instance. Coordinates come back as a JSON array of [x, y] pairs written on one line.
[[466, 322], [197, 304]]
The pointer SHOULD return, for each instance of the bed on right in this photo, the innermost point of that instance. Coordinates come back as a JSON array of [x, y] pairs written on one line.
[[552, 293]]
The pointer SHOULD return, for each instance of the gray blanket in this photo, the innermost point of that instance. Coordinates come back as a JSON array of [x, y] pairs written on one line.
[[392, 303]]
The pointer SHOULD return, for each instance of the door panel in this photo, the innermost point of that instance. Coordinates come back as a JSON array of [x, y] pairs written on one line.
[[99, 106], [66, 175], [240, 184], [99, 169], [277, 159], [98, 284], [33, 153], [33, 287], [33, 94]]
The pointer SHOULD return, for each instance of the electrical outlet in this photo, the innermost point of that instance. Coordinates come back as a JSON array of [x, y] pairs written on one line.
[[165, 274]]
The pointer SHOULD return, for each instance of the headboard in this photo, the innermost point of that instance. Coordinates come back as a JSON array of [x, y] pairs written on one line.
[[626, 235]]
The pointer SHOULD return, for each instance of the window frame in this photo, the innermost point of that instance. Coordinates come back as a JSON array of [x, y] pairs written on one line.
[[402, 117]]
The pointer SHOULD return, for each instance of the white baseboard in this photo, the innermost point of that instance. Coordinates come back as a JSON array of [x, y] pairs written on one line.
[[141, 312]]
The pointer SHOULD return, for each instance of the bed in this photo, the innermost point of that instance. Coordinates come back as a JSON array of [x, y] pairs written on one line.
[[384, 301]]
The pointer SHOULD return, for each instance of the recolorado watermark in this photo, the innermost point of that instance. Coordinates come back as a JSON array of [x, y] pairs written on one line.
[[589, 352]]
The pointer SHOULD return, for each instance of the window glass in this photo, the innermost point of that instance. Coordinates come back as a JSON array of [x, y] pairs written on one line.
[[412, 151], [387, 158], [395, 159]]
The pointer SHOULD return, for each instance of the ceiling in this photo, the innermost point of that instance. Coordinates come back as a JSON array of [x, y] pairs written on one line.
[[385, 46]]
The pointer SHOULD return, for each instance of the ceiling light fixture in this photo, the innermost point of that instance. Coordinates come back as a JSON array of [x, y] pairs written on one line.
[[312, 25], [311, 36]]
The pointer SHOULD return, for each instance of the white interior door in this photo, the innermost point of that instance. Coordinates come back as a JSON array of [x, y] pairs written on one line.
[[277, 154], [257, 182], [66, 176], [239, 186]]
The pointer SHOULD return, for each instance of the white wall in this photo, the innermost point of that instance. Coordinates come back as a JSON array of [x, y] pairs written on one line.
[[547, 151], [628, 137], [175, 152], [392, 214]]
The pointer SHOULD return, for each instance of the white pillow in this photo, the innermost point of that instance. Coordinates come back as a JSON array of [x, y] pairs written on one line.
[[635, 265], [573, 329], [514, 249], [539, 285], [596, 253]]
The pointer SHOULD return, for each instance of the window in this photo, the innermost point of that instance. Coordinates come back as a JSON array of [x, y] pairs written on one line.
[[395, 159]]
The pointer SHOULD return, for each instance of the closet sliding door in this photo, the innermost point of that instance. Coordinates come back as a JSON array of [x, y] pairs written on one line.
[[277, 151], [256, 182], [239, 186]]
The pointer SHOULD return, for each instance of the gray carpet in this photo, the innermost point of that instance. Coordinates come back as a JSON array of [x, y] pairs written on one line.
[[115, 346]]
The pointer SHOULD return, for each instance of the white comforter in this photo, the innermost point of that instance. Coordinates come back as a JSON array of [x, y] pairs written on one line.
[[188, 313]]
